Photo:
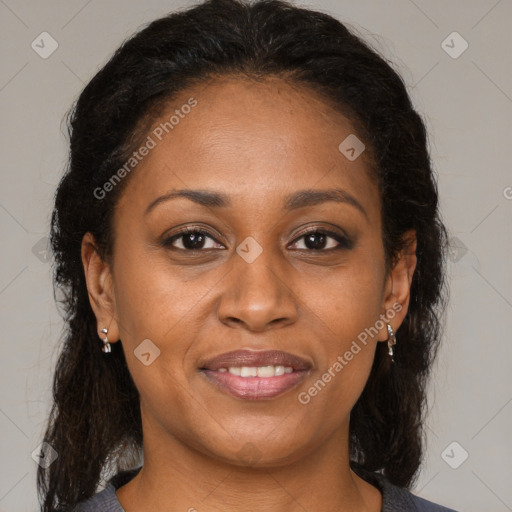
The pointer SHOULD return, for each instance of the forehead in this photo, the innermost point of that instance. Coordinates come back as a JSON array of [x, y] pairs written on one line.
[[250, 139]]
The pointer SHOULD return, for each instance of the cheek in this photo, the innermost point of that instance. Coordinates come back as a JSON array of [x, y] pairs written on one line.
[[157, 302], [152, 299], [346, 309], [346, 300]]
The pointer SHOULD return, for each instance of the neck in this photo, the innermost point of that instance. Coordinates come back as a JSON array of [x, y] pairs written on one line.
[[178, 477]]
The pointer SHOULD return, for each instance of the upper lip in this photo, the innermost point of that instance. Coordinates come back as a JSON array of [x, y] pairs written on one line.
[[238, 358]]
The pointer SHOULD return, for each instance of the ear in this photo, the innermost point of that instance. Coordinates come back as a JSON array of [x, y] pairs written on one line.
[[99, 281], [397, 288]]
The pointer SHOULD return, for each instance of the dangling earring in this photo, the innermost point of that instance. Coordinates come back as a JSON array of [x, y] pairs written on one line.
[[391, 342], [106, 345]]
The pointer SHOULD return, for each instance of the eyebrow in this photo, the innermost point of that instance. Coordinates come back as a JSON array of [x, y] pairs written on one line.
[[299, 199]]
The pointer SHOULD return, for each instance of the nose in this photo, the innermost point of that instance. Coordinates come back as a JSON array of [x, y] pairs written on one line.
[[257, 296]]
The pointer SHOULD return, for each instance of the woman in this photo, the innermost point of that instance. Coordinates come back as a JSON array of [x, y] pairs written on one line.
[[249, 241]]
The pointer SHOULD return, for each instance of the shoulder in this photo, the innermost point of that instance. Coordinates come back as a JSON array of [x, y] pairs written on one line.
[[402, 499], [423, 505], [399, 499], [104, 501]]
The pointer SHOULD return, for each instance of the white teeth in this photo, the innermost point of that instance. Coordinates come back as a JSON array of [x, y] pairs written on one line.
[[279, 370], [266, 371], [249, 371], [260, 371]]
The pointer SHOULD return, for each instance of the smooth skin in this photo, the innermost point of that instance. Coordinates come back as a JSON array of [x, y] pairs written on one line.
[[257, 143]]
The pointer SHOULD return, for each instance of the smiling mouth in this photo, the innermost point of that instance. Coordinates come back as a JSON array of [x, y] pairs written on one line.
[[257, 371], [253, 375]]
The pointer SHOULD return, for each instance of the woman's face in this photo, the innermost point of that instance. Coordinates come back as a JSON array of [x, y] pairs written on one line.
[[291, 259]]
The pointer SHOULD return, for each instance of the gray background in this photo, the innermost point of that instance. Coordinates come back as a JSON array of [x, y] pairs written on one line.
[[467, 104]]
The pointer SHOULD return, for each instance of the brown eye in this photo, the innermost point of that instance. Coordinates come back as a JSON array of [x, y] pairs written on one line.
[[323, 241], [191, 240]]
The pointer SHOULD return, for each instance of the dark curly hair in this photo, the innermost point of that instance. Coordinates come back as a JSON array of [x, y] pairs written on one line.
[[95, 420]]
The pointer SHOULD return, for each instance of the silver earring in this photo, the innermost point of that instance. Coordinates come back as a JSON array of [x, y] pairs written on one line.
[[106, 345], [391, 342]]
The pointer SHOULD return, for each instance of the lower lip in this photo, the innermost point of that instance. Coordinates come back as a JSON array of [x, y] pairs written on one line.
[[255, 388]]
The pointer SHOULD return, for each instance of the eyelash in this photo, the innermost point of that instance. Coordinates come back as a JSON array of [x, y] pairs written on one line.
[[343, 241]]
